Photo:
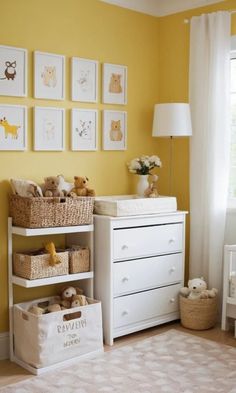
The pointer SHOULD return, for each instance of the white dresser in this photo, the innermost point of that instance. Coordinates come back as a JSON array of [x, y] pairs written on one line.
[[139, 269]]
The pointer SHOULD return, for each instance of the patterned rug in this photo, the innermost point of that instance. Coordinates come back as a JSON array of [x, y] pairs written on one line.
[[172, 362]]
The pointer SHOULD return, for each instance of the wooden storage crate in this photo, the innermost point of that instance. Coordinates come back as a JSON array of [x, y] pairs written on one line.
[[35, 264], [50, 212], [79, 259]]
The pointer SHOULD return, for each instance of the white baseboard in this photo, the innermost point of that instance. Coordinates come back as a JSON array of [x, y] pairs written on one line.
[[4, 346]]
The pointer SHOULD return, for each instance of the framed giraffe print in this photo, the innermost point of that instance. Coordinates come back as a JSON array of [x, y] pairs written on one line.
[[13, 127], [13, 71], [114, 130]]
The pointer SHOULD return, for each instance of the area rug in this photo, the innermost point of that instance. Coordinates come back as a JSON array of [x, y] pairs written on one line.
[[172, 362]]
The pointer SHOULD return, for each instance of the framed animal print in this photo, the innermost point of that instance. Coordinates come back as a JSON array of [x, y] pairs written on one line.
[[49, 76], [13, 71], [84, 126], [13, 127], [84, 80], [114, 130], [114, 84], [49, 126]]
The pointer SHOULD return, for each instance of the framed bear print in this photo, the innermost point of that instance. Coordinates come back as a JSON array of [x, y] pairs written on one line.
[[114, 130], [13, 71], [84, 80], [84, 125], [114, 84], [49, 76], [13, 127]]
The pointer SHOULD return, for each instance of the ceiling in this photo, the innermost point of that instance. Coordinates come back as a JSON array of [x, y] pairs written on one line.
[[161, 7]]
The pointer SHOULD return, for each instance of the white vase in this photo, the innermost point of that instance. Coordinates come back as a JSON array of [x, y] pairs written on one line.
[[142, 185]]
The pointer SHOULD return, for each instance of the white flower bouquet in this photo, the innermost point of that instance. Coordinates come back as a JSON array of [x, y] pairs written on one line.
[[144, 164]]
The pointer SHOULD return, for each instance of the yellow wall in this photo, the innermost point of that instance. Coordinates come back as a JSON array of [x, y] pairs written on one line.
[[156, 53], [89, 29]]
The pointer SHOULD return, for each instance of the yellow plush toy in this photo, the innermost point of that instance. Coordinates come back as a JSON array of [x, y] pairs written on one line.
[[81, 187], [54, 259]]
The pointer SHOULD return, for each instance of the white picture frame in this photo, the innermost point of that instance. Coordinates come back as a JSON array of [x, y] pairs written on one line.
[[114, 88], [84, 129], [13, 127], [49, 76], [84, 80], [13, 71], [49, 129], [114, 130]]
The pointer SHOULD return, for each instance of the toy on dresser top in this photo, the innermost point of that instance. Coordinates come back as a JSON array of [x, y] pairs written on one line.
[[53, 186], [197, 289], [70, 297]]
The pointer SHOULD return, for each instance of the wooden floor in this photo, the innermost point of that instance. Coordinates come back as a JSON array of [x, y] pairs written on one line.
[[11, 373]]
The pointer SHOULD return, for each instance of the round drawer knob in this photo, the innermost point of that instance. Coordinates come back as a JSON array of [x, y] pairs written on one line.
[[172, 300], [172, 240], [125, 312], [126, 278], [124, 247], [172, 269]]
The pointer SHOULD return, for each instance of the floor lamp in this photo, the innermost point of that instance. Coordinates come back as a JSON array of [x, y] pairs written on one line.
[[171, 120]]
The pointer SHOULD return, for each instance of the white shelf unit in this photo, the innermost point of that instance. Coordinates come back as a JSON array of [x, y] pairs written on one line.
[[228, 303], [82, 235], [139, 270]]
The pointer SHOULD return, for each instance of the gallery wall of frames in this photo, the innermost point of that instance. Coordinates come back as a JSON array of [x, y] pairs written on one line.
[[49, 84]]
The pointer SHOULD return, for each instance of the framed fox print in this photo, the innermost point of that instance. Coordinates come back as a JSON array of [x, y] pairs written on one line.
[[13, 71], [114, 84]]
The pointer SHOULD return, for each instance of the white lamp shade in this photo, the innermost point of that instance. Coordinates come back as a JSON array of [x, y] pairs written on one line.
[[172, 120]]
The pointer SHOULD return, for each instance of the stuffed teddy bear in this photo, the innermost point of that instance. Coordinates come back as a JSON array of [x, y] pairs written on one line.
[[197, 289], [67, 294], [78, 301], [151, 191], [81, 187], [51, 187]]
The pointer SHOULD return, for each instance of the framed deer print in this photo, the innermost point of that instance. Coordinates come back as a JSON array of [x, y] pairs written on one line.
[[84, 125], [13, 127], [84, 80], [114, 130], [114, 84], [49, 125], [49, 76], [13, 71]]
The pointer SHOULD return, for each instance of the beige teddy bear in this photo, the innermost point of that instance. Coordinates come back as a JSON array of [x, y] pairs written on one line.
[[197, 289], [51, 187], [81, 187]]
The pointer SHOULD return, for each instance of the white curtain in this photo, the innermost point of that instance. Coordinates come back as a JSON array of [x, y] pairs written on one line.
[[209, 98]]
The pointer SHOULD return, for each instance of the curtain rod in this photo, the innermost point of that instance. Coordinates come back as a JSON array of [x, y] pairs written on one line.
[[186, 21]]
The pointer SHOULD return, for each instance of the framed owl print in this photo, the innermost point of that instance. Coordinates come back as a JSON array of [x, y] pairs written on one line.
[[13, 71], [114, 84]]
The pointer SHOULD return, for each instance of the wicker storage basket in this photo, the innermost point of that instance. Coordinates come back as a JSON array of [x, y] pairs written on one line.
[[78, 259], [50, 212], [198, 314], [33, 265]]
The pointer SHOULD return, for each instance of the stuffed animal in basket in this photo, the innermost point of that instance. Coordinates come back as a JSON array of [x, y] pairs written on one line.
[[197, 289], [151, 191], [78, 301], [81, 187], [54, 259], [67, 295], [51, 187]]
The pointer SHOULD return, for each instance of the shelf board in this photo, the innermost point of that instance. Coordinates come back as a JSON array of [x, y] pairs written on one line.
[[51, 231], [231, 300], [23, 282]]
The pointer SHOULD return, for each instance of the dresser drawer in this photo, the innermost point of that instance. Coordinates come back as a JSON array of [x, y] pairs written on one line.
[[145, 305], [149, 240], [141, 274]]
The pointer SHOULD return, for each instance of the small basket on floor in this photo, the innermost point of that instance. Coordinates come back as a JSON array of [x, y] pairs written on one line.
[[198, 314]]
